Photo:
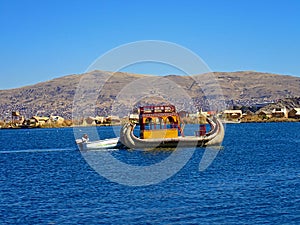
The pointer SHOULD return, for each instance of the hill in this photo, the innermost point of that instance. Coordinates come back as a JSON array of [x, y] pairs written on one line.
[[239, 88]]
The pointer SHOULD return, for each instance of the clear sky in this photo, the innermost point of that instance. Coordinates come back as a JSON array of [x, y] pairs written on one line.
[[44, 39]]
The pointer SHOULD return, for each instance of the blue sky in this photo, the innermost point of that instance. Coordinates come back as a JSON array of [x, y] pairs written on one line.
[[42, 40]]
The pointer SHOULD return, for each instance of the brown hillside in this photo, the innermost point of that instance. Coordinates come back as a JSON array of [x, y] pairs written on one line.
[[56, 96]]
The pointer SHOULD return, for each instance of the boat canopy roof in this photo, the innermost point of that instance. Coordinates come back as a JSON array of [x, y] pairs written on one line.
[[157, 109]]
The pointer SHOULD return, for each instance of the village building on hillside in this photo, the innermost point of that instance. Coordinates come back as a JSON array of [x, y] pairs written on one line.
[[89, 121], [100, 119], [265, 114], [113, 120], [57, 120], [37, 121], [94, 120], [280, 113], [211, 113], [294, 113], [17, 119], [233, 115], [193, 115], [208, 113], [134, 118]]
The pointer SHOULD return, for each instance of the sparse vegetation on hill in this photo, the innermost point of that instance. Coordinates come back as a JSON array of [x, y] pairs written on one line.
[[245, 88]]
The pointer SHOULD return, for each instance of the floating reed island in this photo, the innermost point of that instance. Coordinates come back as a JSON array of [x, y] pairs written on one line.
[[275, 114]]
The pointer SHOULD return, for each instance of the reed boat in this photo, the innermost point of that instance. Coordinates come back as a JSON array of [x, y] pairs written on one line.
[[160, 127]]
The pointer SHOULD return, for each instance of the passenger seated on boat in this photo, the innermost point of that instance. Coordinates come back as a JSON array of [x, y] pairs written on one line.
[[85, 138], [202, 130]]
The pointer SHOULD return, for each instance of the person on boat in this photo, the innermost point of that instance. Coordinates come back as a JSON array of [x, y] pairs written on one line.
[[202, 129], [85, 138]]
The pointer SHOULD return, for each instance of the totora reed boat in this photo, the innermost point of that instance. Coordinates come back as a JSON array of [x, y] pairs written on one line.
[[160, 127]]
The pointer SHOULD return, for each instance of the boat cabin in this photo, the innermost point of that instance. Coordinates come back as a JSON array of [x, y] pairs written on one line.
[[159, 122]]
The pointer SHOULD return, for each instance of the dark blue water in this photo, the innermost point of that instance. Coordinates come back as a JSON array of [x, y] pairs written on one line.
[[255, 179]]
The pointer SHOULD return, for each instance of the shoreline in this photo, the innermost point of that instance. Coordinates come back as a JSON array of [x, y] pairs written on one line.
[[277, 120], [270, 120]]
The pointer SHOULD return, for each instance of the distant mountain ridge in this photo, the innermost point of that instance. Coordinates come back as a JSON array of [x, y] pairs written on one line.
[[56, 96]]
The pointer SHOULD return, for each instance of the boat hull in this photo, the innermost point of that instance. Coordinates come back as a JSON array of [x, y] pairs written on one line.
[[99, 145]]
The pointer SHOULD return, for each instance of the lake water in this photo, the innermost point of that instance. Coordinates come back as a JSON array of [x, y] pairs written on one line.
[[254, 179]]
